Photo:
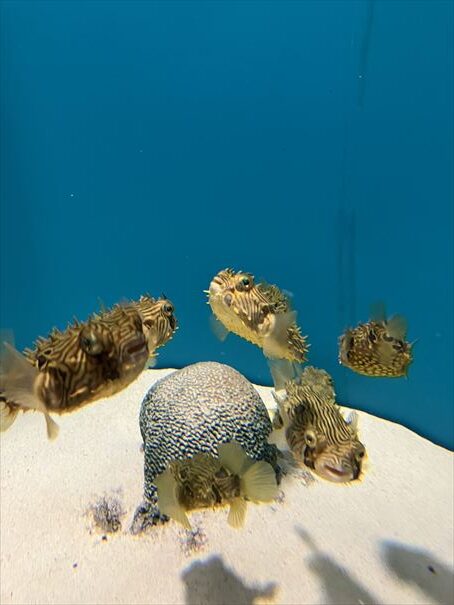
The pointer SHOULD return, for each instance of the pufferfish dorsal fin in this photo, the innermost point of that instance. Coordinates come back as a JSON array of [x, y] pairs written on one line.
[[396, 327], [378, 312], [352, 421]]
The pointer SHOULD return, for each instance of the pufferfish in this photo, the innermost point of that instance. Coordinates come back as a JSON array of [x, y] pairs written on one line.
[[316, 432], [86, 362], [206, 481], [258, 312], [378, 347], [194, 411]]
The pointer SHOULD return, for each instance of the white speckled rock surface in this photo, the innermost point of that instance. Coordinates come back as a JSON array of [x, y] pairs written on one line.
[[387, 540]]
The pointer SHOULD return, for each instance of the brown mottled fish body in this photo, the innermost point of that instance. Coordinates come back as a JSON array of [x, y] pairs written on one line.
[[85, 362], [259, 313], [207, 481], [373, 349]]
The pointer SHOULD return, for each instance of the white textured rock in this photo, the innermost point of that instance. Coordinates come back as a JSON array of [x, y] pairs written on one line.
[[387, 540]]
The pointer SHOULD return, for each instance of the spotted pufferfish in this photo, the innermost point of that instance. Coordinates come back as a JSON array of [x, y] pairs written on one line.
[[86, 362], [378, 347], [258, 312]]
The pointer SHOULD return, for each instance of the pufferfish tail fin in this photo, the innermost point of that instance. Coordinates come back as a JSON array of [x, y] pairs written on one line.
[[8, 415], [168, 501], [17, 384]]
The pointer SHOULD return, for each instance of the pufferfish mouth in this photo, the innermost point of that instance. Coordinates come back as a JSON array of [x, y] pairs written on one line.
[[336, 474], [216, 287]]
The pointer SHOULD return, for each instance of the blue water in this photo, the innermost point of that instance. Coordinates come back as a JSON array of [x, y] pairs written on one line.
[[145, 146]]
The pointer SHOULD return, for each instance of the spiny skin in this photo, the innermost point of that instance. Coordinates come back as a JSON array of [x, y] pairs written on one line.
[[317, 432], [90, 360], [99, 357], [203, 481], [250, 311], [193, 411], [159, 321], [368, 349]]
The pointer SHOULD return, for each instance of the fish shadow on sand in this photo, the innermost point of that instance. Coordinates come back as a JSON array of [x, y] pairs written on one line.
[[339, 588], [420, 568], [210, 582]]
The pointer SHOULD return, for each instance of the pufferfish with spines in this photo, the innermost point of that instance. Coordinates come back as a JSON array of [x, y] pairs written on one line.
[[258, 312], [378, 347], [86, 362], [317, 433], [207, 481], [194, 411]]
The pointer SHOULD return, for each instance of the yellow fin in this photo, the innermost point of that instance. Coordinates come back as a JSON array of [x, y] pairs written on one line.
[[151, 361], [168, 501], [52, 427], [283, 371], [233, 457], [378, 312], [396, 327], [6, 336], [218, 328], [237, 513], [7, 416], [259, 482], [17, 379], [17, 383], [275, 342]]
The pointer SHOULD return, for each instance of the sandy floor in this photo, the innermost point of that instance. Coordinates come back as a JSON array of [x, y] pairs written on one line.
[[388, 540]]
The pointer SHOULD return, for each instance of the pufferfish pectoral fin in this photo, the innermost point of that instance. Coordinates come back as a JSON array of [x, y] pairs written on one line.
[[237, 513], [151, 361], [396, 326], [168, 501], [218, 328], [283, 371], [275, 343], [259, 483]]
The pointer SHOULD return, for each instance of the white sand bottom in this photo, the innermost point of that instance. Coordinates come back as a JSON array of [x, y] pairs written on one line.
[[386, 540]]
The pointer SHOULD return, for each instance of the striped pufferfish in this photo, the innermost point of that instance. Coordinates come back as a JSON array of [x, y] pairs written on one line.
[[316, 431], [88, 361], [259, 313], [378, 347], [206, 481], [194, 411]]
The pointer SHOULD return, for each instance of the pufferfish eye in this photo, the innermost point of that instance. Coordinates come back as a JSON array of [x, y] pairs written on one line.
[[359, 454], [168, 309], [245, 283], [310, 438]]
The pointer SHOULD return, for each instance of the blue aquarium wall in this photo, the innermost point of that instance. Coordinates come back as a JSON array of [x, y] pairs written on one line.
[[147, 145]]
